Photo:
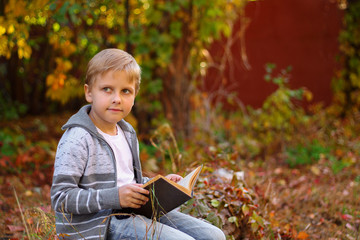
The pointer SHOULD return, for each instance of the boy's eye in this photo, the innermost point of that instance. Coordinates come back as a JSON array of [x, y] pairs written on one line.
[[107, 89], [127, 91]]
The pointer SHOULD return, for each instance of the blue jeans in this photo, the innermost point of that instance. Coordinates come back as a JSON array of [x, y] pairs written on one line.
[[174, 225]]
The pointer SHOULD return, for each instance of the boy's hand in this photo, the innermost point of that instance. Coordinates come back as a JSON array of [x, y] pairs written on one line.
[[174, 177], [131, 195]]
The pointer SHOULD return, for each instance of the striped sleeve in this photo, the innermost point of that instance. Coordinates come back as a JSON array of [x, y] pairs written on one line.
[[71, 191]]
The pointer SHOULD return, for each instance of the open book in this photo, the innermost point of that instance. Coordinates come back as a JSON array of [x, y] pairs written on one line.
[[165, 195]]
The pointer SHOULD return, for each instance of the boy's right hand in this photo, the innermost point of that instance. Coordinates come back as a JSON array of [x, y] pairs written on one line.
[[132, 195]]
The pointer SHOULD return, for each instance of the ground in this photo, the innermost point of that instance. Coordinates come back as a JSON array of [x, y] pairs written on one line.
[[306, 202]]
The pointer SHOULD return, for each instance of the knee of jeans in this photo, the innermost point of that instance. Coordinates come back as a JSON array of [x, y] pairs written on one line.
[[217, 234]]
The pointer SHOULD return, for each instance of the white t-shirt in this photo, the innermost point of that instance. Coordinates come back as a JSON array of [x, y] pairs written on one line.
[[123, 156]]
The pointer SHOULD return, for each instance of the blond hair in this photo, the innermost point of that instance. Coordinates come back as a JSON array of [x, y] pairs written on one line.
[[113, 59]]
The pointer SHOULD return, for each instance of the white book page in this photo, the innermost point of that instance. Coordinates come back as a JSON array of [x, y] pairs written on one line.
[[185, 182]]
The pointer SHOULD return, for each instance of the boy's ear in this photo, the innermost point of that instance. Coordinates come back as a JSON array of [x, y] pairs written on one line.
[[88, 95]]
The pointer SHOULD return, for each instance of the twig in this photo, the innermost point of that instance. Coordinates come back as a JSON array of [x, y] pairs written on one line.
[[22, 215]]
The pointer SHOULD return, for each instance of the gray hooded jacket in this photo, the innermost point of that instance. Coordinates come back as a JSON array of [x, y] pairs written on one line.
[[84, 191]]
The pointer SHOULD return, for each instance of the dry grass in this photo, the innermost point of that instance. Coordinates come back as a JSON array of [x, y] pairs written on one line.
[[25, 210], [310, 199]]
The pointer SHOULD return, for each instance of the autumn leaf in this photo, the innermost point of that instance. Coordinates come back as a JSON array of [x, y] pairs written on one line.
[[14, 228], [302, 235], [346, 217], [215, 203], [315, 170]]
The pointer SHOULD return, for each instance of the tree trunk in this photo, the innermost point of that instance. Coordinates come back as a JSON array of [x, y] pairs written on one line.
[[177, 83], [129, 46], [16, 84]]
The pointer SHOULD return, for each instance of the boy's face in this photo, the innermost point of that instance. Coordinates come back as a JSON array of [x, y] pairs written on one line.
[[112, 96]]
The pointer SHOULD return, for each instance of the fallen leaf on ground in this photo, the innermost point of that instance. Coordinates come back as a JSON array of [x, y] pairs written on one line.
[[302, 235], [14, 228]]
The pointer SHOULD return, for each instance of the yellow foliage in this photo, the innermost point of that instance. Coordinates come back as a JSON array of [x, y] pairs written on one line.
[[62, 65], [3, 46], [112, 39], [16, 8], [54, 40], [2, 30], [38, 4], [61, 80], [56, 80], [21, 42], [14, 33], [68, 48], [24, 52], [60, 41], [308, 95], [50, 79], [103, 8], [355, 80], [61, 87], [10, 29]]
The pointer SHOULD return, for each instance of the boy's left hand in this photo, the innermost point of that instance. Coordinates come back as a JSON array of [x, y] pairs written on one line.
[[174, 177]]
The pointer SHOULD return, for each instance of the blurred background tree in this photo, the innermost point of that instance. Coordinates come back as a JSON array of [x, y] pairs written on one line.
[[46, 44], [346, 83]]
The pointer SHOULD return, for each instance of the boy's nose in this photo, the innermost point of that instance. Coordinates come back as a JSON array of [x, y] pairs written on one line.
[[117, 98]]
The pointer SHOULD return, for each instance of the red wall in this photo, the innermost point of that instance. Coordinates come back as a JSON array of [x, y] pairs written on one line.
[[300, 33]]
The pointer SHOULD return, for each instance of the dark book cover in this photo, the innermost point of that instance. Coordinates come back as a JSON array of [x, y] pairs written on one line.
[[166, 195], [163, 198]]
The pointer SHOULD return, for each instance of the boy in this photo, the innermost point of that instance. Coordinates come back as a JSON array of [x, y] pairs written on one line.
[[97, 169]]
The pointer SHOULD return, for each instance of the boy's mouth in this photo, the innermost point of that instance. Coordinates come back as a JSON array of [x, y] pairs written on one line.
[[114, 109]]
